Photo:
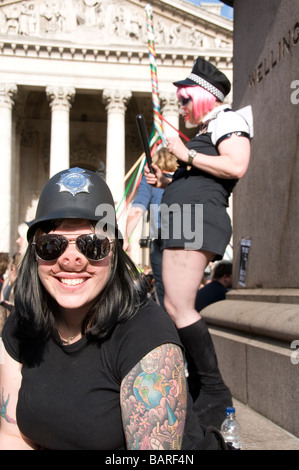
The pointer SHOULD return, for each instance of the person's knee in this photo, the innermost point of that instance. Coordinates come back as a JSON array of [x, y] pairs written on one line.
[[170, 308]]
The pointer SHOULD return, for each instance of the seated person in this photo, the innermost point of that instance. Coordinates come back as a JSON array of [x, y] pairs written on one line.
[[217, 289]]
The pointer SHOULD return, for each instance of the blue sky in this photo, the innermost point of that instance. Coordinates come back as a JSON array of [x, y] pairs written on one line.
[[226, 11]]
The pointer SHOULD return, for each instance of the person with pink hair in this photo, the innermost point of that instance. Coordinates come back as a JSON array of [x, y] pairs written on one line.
[[195, 226]]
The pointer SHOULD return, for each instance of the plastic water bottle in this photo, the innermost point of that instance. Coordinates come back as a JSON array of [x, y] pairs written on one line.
[[231, 429]]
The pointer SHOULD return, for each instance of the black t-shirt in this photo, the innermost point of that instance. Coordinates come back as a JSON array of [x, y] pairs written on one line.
[[70, 395]]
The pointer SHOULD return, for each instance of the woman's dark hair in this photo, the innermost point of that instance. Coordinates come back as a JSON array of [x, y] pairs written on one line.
[[118, 301]]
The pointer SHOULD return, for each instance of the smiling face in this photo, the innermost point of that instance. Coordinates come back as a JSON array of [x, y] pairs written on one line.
[[196, 103], [193, 115], [188, 114], [73, 280]]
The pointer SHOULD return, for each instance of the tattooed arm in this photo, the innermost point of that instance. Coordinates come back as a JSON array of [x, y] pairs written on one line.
[[154, 400], [10, 381]]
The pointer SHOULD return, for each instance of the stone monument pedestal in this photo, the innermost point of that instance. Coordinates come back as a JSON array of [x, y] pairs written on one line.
[[254, 333], [256, 329]]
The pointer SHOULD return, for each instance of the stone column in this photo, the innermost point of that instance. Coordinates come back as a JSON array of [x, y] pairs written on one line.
[[170, 111], [116, 102], [16, 180], [7, 96], [60, 99]]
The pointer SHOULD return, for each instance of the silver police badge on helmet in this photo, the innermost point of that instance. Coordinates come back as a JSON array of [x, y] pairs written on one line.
[[74, 181]]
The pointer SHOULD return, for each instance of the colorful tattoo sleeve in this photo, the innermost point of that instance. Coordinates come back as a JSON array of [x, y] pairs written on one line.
[[3, 409], [154, 400]]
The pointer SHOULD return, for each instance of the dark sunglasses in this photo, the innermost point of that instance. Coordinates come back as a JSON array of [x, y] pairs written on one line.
[[93, 247], [185, 101]]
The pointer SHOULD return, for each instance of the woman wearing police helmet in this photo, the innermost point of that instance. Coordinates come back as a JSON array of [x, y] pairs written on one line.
[[89, 361]]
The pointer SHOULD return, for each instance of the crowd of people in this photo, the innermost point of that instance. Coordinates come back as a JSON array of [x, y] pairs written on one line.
[[90, 361], [9, 265]]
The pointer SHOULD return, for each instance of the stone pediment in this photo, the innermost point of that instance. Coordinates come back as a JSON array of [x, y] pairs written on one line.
[[108, 23]]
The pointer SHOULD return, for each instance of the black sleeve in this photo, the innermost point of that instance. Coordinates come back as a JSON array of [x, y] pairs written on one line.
[[149, 328]]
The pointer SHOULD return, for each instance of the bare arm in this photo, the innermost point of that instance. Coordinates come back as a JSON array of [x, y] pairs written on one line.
[[153, 401], [232, 162], [10, 381], [133, 218]]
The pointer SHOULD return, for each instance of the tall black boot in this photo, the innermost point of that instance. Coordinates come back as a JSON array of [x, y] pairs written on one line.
[[210, 394]]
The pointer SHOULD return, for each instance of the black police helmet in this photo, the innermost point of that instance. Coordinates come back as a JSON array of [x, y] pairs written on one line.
[[75, 193], [208, 77]]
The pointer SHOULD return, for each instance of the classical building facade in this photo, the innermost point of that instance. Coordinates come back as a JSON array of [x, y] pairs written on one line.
[[73, 76]]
